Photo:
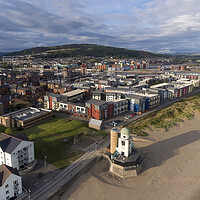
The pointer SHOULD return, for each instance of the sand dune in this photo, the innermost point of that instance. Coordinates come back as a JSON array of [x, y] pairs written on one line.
[[170, 171]]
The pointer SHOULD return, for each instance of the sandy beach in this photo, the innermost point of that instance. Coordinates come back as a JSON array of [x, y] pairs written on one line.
[[170, 170]]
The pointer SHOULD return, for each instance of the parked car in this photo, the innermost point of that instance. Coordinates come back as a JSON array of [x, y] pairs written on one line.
[[128, 117], [114, 123]]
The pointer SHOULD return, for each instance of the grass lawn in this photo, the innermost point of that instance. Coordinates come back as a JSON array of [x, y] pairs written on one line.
[[49, 139], [169, 116]]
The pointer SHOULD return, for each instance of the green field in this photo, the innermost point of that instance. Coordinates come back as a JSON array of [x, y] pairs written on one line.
[[167, 117], [49, 139]]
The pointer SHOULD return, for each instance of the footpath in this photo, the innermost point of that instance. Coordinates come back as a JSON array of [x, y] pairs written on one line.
[[64, 177]]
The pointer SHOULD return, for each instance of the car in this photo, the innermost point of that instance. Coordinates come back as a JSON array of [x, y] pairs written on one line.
[[114, 122], [128, 117], [111, 124]]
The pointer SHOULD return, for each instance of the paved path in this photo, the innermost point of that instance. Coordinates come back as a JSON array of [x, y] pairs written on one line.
[[162, 105], [68, 173], [71, 116], [93, 151]]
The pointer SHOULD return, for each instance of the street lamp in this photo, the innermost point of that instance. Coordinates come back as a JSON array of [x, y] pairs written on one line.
[[45, 161], [29, 194]]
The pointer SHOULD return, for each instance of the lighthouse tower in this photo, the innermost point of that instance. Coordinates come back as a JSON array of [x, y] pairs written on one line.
[[125, 143], [125, 161]]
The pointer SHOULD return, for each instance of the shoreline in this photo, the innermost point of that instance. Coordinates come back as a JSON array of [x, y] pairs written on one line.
[[170, 169]]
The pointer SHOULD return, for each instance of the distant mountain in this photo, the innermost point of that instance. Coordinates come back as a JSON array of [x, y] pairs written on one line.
[[186, 53], [74, 50]]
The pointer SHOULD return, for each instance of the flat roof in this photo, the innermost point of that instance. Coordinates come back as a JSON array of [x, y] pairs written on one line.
[[133, 96], [73, 104], [118, 100], [73, 93], [159, 85], [54, 95], [96, 102], [27, 113]]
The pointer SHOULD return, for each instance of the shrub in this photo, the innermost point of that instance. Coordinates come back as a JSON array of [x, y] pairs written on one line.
[[8, 131]]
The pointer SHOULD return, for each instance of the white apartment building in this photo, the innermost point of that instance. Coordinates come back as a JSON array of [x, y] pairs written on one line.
[[15, 152], [10, 183], [111, 96]]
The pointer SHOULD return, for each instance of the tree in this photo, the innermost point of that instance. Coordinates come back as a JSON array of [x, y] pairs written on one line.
[[9, 131]]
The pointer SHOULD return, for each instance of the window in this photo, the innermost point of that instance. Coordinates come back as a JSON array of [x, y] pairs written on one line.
[[15, 182], [123, 143], [6, 186], [7, 191]]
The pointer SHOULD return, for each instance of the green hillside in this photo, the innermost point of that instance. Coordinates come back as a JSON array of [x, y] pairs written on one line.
[[74, 50]]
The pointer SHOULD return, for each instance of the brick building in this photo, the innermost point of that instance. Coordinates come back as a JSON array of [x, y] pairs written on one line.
[[98, 109]]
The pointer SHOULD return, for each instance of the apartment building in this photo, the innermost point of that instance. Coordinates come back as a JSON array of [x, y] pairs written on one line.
[[111, 96], [120, 106], [76, 109], [51, 101], [15, 152], [74, 95], [99, 109], [137, 103], [179, 90], [99, 95], [10, 183], [25, 118], [153, 99]]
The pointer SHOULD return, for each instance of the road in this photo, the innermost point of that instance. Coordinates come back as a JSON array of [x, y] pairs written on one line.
[[163, 104], [121, 117], [68, 173], [93, 151]]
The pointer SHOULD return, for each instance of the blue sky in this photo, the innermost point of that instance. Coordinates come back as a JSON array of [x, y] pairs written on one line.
[[162, 26]]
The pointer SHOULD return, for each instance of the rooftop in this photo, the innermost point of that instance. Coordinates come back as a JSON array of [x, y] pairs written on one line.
[[27, 113], [159, 85], [54, 95], [8, 143], [73, 93], [5, 172], [96, 102], [133, 96]]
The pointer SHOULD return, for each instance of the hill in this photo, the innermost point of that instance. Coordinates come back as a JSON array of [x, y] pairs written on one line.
[[74, 50], [2, 53]]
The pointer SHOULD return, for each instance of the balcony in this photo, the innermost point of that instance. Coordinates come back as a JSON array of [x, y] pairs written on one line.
[[16, 188], [22, 154]]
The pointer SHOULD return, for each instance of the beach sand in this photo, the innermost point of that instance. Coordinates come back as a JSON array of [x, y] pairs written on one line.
[[170, 170]]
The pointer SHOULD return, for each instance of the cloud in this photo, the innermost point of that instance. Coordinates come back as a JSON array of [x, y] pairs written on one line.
[[153, 25]]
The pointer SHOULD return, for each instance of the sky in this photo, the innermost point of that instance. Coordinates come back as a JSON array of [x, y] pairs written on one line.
[[160, 26]]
